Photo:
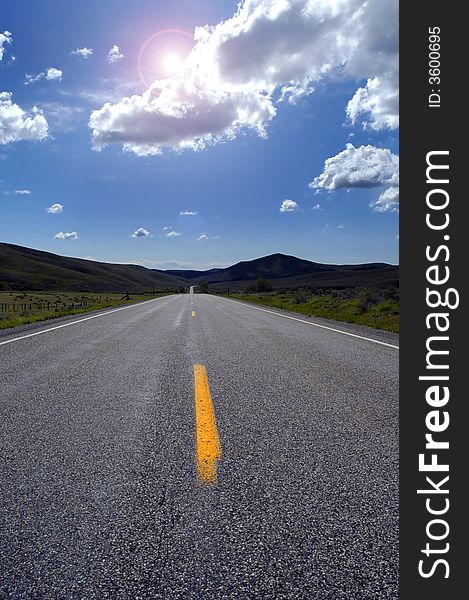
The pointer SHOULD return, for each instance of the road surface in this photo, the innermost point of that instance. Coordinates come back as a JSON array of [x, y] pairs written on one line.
[[102, 493]]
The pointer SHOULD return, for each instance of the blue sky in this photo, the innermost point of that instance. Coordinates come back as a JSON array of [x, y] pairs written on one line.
[[230, 130]]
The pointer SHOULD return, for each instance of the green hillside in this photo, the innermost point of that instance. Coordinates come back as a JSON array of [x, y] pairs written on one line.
[[26, 269]]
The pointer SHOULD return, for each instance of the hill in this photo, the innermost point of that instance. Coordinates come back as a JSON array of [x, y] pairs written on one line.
[[27, 269], [286, 271], [270, 267]]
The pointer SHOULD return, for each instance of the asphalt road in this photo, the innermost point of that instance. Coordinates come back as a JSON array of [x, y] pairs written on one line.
[[99, 495]]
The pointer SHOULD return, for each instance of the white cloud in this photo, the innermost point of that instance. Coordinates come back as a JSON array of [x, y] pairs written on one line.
[[388, 201], [362, 167], [340, 226], [140, 232], [269, 50], [203, 237], [380, 100], [68, 235], [24, 192], [114, 55], [173, 234], [16, 124], [289, 206], [188, 213], [375, 60], [316, 206], [28, 78], [82, 52], [54, 209], [5, 38], [50, 74], [53, 73]]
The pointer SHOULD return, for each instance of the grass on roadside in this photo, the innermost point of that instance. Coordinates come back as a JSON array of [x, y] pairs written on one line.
[[20, 308], [378, 308]]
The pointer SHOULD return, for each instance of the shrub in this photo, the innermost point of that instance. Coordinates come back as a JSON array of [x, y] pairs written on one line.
[[263, 285], [300, 296]]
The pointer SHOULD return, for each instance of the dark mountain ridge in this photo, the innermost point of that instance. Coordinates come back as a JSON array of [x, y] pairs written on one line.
[[28, 269], [289, 271]]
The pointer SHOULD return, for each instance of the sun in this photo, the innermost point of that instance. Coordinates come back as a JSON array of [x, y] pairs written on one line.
[[162, 54], [171, 63]]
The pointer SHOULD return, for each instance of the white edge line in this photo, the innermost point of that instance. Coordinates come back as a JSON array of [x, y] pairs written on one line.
[[272, 312], [28, 335]]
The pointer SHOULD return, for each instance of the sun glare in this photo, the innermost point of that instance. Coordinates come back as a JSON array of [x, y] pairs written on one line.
[[163, 53], [171, 63]]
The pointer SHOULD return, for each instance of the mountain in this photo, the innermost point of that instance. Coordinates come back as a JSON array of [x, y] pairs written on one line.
[[27, 269], [289, 271], [24, 268], [270, 267]]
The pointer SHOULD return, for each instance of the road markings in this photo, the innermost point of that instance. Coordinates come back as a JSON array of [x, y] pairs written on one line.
[[207, 442], [272, 312], [28, 335], [193, 313]]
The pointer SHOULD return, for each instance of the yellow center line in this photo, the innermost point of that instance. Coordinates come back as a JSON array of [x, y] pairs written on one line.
[[207, 442], [193, 313]]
